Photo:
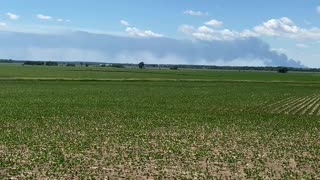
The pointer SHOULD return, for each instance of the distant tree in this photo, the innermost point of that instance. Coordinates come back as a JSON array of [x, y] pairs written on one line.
[[34, 63], [71, 65], [141, 65], [6, 61], [50, 63], [87, 65], [283, 70], [174, 68], [81, 64], [117, 65]]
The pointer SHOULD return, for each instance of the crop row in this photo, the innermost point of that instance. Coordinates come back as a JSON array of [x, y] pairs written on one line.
[[307, 105]]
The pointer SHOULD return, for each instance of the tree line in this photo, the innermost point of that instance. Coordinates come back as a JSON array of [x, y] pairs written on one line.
[[142, 65]]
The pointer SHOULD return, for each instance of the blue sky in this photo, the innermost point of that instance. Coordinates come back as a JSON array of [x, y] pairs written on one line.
[[291, 26]]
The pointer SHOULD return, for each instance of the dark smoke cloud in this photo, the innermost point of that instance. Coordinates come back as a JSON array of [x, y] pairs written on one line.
[[77, 46]]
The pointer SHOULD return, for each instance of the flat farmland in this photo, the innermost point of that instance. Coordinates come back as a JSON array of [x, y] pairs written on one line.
[[99, 123], [17, 71]]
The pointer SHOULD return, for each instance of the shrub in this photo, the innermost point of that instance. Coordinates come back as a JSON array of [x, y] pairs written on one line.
[[174, 68], [71, 65], [50, 63], [117, 66], [283, 70], [141, 65], [34, 63]]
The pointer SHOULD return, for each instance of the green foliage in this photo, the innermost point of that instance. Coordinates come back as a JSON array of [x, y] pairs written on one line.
[[34, 63], [174, 68], [117, 66], [71, 65], [6, 61], [141, 65], [94, 123], [50, 63], [16, 70], [283, 70]]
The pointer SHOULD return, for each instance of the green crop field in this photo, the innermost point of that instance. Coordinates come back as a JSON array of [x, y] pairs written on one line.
[[100, 123]]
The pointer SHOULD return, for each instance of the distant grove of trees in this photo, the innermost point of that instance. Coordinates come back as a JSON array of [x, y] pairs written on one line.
[[283, 70], [34, 63], [40, 63], [6, 61], [71, 65], [117, 66], [174, 67], [50, 63]]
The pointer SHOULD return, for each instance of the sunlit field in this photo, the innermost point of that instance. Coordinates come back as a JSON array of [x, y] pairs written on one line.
[[59, 122]]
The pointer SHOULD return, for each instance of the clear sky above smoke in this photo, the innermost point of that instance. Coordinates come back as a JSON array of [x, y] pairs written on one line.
[[289, 27]]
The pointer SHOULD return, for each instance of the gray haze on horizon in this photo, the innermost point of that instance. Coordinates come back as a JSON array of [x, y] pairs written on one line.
[[83, 46]]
